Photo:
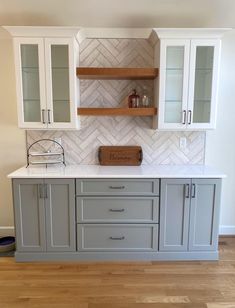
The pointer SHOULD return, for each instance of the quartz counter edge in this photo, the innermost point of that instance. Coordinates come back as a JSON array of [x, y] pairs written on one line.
[[97, 171]]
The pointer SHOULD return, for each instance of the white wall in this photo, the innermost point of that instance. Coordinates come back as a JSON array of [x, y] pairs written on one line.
[[12, 139], [220, 144]]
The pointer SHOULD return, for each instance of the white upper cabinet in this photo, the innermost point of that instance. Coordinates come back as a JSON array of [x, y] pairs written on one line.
[[188, 78], [47, 92]]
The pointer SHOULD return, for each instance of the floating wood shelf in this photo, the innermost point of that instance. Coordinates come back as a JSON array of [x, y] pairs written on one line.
[[117, 111], [116, 73]]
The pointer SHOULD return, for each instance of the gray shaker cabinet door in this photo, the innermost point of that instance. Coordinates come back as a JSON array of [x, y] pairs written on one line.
[[174, 214], [204, 215], [60, 214], [29, 215]]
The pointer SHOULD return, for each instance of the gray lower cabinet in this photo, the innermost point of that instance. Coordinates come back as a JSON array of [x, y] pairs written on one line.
[[189, 214], [174, 214], [44, 214], [112, 219], [204, 214], [29, 215]]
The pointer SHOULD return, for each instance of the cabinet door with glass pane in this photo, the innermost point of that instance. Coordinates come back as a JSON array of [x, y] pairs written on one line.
[[174, 73], [203, 83], [60, 80], [30, 73]]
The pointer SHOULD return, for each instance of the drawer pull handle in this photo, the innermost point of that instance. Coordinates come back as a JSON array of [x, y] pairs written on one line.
[[116, 187], [117, 238], [116, 210]]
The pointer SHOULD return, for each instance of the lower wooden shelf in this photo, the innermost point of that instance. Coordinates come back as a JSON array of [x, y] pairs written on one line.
[[141, 112]]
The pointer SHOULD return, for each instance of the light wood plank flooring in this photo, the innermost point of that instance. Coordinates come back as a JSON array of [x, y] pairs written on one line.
[[121, 285]]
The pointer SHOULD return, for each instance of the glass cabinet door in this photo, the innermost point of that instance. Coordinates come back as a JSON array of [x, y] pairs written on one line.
[[58, 58], [30, 85], [202, 83], [174, 81]]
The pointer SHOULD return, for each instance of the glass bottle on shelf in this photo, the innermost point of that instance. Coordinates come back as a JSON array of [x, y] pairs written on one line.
[[133, 99], [145, 100]]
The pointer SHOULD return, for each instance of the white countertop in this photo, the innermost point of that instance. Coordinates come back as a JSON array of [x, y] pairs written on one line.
[[96, 171]]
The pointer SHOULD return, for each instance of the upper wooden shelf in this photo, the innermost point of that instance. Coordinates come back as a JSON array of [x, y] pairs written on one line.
[[116, 73], [151, 111]]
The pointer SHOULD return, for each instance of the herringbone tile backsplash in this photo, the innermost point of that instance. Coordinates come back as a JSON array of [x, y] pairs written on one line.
[[158, 147]]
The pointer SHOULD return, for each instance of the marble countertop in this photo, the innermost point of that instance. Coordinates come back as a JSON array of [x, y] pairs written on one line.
[[96, 171]]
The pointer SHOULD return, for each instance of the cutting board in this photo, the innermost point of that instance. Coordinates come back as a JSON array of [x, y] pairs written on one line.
[[120, 155]]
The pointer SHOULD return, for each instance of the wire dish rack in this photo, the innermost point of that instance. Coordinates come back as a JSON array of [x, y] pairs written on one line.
[[53, 155]]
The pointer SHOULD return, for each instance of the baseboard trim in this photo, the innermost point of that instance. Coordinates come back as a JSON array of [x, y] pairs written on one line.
[[226, 230], [7, 230]]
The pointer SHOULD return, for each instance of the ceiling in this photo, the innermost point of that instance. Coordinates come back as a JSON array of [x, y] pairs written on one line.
[[119, 13]]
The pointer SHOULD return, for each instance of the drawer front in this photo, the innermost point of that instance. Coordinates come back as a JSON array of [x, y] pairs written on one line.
[[117, 186], [107, 237], [117, 209]]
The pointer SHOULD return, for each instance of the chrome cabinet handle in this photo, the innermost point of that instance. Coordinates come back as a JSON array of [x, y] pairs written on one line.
[[189, 117], [49, 116], [186, 190], [116, 187], [43, 194], [116, 210], [45, 191], [184, 117], [43, 116], [193, 191], [40, 188], [117, 238]]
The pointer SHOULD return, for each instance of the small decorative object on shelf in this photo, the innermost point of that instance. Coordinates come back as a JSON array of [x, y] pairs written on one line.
[[46, 157], [134, 99], [145, 100]]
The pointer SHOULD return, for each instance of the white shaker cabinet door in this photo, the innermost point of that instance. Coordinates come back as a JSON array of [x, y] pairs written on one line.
[[174, 76], [60, 80], [30, 83], [203, 84]]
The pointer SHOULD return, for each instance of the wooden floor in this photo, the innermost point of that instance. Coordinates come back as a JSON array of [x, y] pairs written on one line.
[[121, 285]]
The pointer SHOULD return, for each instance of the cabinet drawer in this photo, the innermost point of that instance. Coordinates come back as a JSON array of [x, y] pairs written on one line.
[[117, 186], [117, 237], [117, 209]]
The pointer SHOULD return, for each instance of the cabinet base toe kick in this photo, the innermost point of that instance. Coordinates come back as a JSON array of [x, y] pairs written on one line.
[[117, 256]]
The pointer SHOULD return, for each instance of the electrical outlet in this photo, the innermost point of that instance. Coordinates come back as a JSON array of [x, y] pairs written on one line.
[[183, 143]]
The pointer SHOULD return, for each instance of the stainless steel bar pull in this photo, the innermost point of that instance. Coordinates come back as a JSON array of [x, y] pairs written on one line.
[[184, 117], [45, 191], [186, 190], [116, 210], [49, 116], [40, 189], [117, 238], [193, 191], [116, 187], [189, 117], [43, 116]]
